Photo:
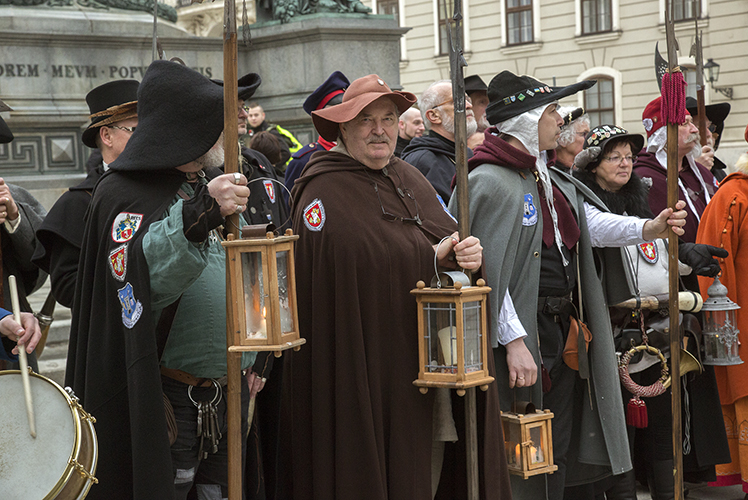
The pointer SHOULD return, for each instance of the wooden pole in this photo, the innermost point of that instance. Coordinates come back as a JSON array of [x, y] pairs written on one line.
[[22, 360], [673, 167], [231, 165], [698, 54], [457, 63]]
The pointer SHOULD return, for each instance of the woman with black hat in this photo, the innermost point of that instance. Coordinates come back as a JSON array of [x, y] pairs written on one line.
[[605, 166]]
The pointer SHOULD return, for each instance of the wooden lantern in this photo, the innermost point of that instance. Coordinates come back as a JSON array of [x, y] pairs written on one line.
[[263, 280], [528, 442], [452, 338]]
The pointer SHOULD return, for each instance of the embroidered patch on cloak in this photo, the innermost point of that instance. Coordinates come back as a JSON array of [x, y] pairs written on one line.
[[649, 251], [530, 216], [444, 206], [131, 307], [125, 225], [270, 190], [118, 262], [314, 215]]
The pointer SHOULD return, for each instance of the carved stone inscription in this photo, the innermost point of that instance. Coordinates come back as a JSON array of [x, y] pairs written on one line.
[[30, 70]]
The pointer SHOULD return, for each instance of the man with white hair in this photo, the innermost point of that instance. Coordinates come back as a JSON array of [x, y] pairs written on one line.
[[696, 184], [571, 139], [538, 227], [409, 127], [434, 153]]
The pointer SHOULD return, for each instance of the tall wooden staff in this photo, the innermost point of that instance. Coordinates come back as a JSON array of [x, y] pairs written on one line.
[[231, 165], [673, 112], [698, 54], [456, 63]]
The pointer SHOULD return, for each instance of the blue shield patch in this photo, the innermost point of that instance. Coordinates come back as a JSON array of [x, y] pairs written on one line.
[[131, 307], [530, 215]]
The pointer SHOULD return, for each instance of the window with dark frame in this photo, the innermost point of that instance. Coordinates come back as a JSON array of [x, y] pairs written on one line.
[[446, 11], [684, 10], [597, 16], [599, 102], [519, 22], [388, 7]]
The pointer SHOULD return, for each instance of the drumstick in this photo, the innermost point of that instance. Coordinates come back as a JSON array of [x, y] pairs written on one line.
[[23, 361]]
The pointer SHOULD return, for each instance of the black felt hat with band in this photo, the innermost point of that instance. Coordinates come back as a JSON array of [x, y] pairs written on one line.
[[598, 137], [717, 113], [474, 83], [5, 134], [510, 95], [180, 117], [331, 88], [573, 115], [110, 103], [246, 85]]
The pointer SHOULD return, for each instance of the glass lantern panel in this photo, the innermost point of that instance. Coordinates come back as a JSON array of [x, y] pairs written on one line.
[[536, 449], [254, 296], [441, 337], [471, 315], [285, 304], [512, 447]]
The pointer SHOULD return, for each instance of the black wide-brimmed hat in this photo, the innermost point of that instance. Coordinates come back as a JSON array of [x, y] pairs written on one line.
[[331, 88], [360, 94], [180, 117], [510, 95], [5, 134], [246, 85], [717, 113], [110, 103], [474, 83], [598, 137], [572, 115]]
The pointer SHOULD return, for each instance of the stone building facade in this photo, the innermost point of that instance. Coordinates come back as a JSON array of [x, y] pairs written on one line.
[[565, 41]]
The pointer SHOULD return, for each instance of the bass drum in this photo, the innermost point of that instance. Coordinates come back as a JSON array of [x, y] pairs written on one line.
[[60, 462]]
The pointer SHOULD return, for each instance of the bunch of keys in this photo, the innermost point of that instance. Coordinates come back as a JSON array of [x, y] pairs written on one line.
[[208, 429]]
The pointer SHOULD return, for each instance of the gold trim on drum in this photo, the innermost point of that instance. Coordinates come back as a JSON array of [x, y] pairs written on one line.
[[85, 446]]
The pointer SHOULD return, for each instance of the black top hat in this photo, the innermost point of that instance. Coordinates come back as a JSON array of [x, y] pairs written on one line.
[[510, 95], [334, 86], [717, 113], [180, 117], [109, 103], [598, 137], [246, 85], [474, 83]]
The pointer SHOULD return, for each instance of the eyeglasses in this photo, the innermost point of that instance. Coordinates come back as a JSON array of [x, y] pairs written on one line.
[[392, 217], [617, 159], [712, 128], [128, 129], [467, 100]]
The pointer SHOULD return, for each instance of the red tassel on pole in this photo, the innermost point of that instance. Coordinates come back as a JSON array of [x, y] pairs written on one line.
[[636, 413], [673, 98]]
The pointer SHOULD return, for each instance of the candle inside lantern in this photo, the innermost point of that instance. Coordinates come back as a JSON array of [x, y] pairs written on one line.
[[448, 343], [536, 455], [517, 454], [257, 331]]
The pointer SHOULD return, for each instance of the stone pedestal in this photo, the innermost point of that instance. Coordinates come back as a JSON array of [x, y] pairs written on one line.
[[51, 58], [293, 59]]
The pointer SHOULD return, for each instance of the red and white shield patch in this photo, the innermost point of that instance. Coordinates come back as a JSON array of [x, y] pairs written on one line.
[[118, 262], [314, 215], [649, 251], [125, 225], [270, 190]]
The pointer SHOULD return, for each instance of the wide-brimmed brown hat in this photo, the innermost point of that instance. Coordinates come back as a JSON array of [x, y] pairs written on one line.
[[359, 94]]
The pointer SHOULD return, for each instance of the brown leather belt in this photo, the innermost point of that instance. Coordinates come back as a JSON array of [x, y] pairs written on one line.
[[186, 378]]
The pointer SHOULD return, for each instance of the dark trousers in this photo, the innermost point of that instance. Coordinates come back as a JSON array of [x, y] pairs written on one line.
[[209, 475], [560, 400]]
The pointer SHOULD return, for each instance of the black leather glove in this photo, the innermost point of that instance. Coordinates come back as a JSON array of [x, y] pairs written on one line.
[[200, 215], [701, 258]]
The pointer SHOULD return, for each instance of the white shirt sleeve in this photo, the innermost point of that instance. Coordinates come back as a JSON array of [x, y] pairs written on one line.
[[613, 230], [510, 327], [12, 225]]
